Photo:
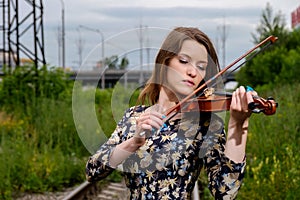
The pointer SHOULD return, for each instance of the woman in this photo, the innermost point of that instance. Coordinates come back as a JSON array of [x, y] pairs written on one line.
[[161, 157]]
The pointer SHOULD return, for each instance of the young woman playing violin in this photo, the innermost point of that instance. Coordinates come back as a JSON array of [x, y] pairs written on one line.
[[162, 156]]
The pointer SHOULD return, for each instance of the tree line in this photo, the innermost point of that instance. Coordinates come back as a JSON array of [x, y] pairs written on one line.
[[278, 64]]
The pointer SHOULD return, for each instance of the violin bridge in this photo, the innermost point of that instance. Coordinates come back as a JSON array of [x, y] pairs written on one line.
[[209, 92]]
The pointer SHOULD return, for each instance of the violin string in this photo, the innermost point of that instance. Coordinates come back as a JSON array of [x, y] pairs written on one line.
[[222, 78]]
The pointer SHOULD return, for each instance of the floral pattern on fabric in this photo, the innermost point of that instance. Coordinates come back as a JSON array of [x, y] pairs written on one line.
[[169, 163]]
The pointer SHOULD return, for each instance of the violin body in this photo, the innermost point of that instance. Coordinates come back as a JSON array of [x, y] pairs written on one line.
[[213, 103]]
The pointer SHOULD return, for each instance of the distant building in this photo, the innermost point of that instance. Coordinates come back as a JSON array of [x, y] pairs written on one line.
[[295, 17], [4, 58]]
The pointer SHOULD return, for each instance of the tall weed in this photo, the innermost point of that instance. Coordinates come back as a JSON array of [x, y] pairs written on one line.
[[273, 161], [40, 149]]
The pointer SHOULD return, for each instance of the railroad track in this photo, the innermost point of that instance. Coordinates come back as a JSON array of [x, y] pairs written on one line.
[[91, 191], [87, 190], [113, 191]]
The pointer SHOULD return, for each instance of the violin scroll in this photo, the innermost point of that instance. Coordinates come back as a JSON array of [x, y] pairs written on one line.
[[267, 106]]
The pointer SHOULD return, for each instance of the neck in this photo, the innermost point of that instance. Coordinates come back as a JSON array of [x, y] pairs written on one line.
[[166, 98]]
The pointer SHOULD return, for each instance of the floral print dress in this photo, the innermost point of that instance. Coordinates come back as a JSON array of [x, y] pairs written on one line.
[[169, 163]]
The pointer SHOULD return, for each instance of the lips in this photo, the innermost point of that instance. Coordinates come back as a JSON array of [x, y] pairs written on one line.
[[189, 82]]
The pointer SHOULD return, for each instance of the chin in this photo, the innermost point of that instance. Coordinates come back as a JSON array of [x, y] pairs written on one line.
[[185, 92]]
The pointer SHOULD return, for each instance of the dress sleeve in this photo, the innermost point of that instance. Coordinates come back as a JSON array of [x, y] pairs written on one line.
[[224, 175], [97, 166]]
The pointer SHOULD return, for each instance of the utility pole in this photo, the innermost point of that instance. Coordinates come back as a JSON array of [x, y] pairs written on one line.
[[141, 53], [148, 49], [80, 47], [102, 40], [102, 52], [59, 45], [63, 34], [223, 31]]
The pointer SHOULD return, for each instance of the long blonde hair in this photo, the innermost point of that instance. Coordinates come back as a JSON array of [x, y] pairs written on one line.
[[169, 49]]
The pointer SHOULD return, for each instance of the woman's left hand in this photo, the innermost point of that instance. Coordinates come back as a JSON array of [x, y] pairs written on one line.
[[238, 124], [239, 111]]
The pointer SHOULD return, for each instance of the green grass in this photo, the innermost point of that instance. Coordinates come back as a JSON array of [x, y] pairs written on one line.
[[40, 154], [273, 160], [40, 149]]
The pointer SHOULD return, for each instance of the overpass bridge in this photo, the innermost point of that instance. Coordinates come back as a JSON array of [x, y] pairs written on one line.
[[111, 77]]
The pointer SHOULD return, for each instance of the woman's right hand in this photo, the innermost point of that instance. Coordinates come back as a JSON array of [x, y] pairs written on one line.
[[147, 123]]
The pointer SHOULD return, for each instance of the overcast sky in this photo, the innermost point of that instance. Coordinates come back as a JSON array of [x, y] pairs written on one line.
[[119, 21]]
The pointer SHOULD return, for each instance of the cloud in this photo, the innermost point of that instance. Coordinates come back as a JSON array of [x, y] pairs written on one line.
[[113, 17], [175, 12]]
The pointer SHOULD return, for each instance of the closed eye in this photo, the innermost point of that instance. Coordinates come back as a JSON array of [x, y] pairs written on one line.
[[201, 67], [183, 61]]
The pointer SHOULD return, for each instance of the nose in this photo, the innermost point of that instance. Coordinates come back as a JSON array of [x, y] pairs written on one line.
[[191, 70]]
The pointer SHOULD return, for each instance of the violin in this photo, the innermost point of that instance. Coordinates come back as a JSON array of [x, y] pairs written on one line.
[[216, 102], [221, 101]]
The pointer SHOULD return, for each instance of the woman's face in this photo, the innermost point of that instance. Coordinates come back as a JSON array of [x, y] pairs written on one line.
[[187, 69]]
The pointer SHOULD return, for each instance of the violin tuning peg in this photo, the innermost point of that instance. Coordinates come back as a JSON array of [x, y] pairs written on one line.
[[256, 110], [252, 105]]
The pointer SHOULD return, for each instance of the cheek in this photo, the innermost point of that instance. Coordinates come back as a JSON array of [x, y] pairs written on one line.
[[171, 76], [174, 71]]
